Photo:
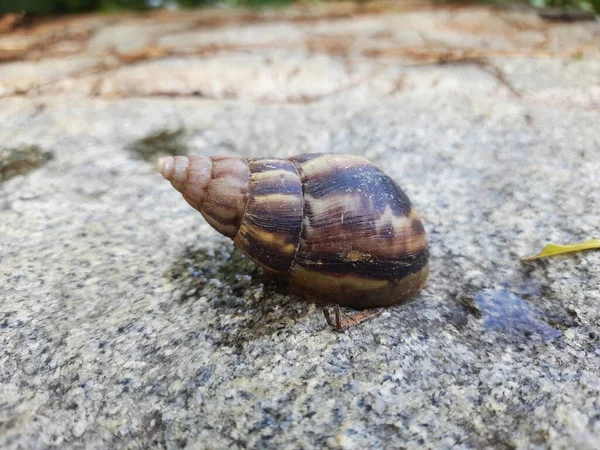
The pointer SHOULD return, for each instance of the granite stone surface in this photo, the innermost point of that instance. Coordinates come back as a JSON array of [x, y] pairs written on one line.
[[127, 322]]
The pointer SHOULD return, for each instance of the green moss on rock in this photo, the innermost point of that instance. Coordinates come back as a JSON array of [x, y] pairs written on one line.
[[21, 160], [160, 143]]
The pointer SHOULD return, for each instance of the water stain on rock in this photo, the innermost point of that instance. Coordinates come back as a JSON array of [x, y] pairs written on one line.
[[21, 160], [235, 288], [225, 266], [507, 313], [160, 143]]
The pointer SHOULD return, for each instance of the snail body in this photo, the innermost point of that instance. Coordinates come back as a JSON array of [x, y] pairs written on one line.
[[336, 225]]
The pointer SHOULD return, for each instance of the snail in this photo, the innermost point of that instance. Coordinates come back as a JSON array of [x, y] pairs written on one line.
[[338, 227]]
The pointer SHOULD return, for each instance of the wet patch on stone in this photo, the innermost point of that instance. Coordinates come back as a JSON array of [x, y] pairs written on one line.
[[224, 266], [227, 269], [21, 160], [507, 313], [235, 288], [160, 143]]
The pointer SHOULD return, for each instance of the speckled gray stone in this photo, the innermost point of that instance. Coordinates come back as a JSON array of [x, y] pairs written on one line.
[[127, 322]]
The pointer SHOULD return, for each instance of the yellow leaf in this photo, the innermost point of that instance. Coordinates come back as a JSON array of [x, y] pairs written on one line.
[[554, 249]]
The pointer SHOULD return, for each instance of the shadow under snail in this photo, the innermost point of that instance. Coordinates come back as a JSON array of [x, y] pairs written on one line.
[[337, 226]]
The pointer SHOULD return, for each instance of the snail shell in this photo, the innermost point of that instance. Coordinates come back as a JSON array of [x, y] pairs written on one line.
[[336, 225]]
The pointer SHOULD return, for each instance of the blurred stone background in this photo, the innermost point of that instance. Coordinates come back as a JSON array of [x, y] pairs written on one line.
[[127, 322]]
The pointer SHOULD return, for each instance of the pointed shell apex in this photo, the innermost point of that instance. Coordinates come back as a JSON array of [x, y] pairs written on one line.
[[165, 165]]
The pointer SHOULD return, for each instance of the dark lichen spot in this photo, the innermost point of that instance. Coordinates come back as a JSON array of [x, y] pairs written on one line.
[[152, 433], [501, 441], [562, 319], [21, 160], [160, 143], [11, 423], [203, 375], [465, 301], [458, 316]]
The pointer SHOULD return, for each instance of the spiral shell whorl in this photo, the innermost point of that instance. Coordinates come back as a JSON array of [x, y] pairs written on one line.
[[362, 244], [217, 187], [270, 231]]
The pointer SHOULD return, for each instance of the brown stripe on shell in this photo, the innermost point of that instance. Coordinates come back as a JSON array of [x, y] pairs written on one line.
[[299, 159], [272, 250], [275, 212], [317, 164], [278, 182], [270, 230], [267, 165], [363, 264], [355, 291], [229, 230], [229, 167], [224, 158]]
